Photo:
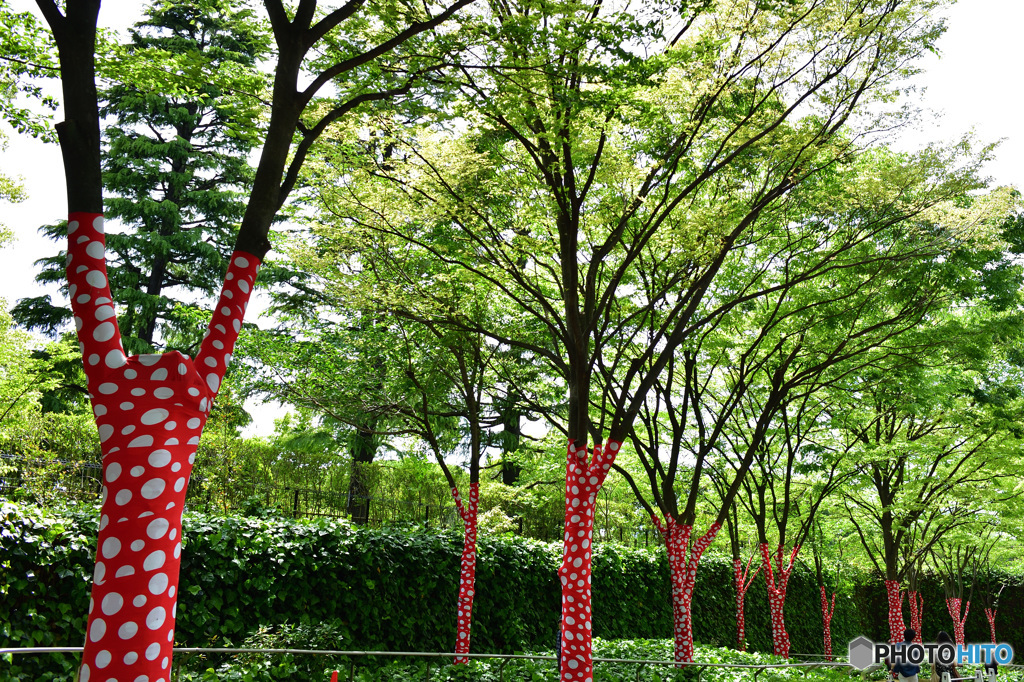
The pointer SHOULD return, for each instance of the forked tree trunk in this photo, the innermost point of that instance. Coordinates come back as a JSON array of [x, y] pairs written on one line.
[[742, 579], [953, 606], [150, 410], [990, 614], [827, 611], [916, 601], [895, 598], [683, 571], [583, 480], [467, 572], [777, 595]]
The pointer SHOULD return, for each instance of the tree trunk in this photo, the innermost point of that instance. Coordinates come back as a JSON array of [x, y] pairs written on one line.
[[827, 612], [684, 577], [150, 410], [777, 595], [916, 602], [742, 578], [895, 597], [991, 615], [953, 606], [467, 572], [363, 448], [582, 483]]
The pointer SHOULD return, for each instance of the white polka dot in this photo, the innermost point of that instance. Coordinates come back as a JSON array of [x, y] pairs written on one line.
[[130, 374], [158, 583], [123, 497], [211, 362], [154, 416], [159, 375], [241, 262], [213, 381], [104, 312], [99, 572], [159, 458], [131, 657], [227, 294], [112, 472], [154, 561], [143, 441], [111, 548], [127, 406], [179, 484], [177, 550], [97, 224], [193, 391], [125, 571], [97, 630], [157, 528], [153, 488], [176, 467], [219, 345], [111, 604], [99, 410], [138, 545], [192, 423], [149, 359], [139, 601], [115, 359], [104, 332], [225, 311], [243, 285], [163, 393], [108, 388], [96, 279], [171, 425], [156, 618], [72, 227], [85, 673], [203, 404], [127, 430], [138, 471], [236, 323], [152, 651]]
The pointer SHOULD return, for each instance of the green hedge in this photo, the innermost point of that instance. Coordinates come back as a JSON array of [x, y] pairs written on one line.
[[394, 590]]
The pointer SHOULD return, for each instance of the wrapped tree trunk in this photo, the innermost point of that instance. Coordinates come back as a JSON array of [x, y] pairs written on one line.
[[953, 606], [916, 601], [827, 611], [742, 580], [777, 595], [990, 614], [150, 411], [895, 598], [683, 572], [583, 481], [467, 574]]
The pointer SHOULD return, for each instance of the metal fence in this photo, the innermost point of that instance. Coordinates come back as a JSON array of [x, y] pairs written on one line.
[[755, 669]]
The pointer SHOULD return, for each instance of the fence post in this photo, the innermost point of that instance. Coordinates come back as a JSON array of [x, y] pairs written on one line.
[[295, 504]]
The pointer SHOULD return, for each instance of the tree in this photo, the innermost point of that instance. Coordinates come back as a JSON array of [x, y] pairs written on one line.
[[611, 140], [26, 58], [145, 486], [175, 168]]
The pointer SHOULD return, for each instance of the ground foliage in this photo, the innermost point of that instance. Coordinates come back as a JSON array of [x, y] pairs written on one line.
[[254, 579]]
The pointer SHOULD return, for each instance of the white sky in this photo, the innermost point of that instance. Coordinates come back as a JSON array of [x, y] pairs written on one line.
[[972, 86]]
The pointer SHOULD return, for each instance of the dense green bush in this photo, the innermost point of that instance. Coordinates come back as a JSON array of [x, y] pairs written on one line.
[[396, 590]]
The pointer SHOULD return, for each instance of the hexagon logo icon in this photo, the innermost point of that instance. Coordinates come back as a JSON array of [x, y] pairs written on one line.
[[861, 653]]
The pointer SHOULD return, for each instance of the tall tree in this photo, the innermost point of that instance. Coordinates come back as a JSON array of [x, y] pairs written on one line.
[[150, 409], [614, 133], [175, 167]]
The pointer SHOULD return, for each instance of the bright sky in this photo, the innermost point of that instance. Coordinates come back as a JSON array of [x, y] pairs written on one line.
[[971, 85]]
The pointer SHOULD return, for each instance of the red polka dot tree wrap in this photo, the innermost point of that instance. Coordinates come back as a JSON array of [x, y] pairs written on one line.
[[990, 614], [777, 581], [895, 597], [916, 603], [683, 574], [467, 571], [827, 612], [150, 411], [953, 606], [583, 481], [742, 579]]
